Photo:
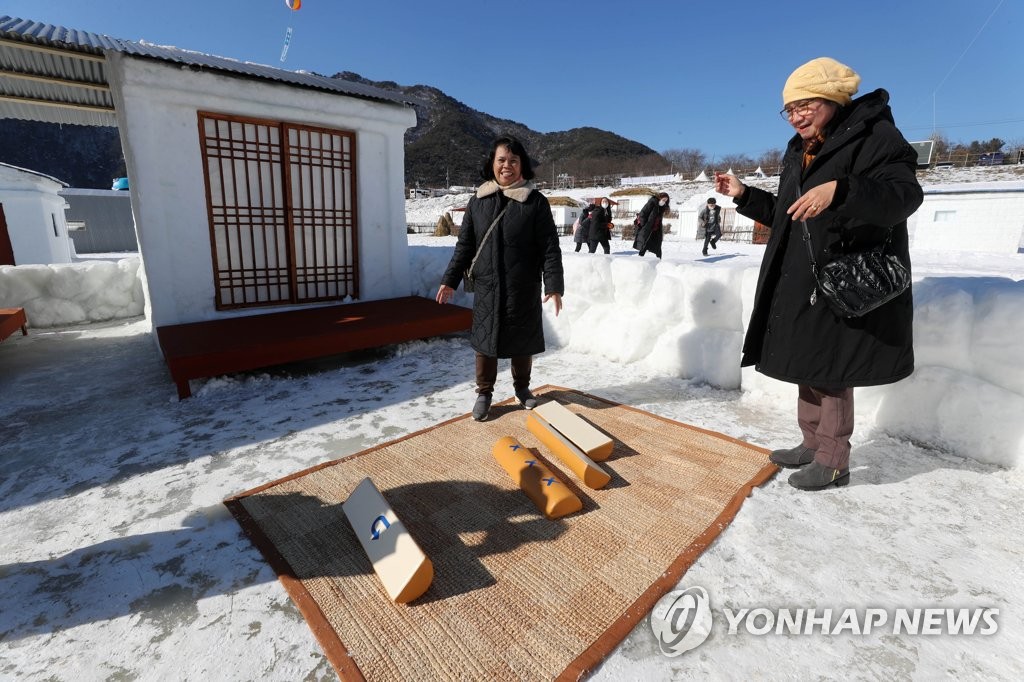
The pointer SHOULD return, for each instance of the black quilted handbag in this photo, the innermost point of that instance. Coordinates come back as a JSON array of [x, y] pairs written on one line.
[[854, 284]]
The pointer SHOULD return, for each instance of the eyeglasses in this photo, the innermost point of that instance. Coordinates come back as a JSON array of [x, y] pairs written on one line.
[[802, 108]]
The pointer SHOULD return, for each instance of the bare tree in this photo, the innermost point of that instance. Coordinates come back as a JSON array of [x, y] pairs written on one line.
[[738, 162], [771, 161], [686, 161]]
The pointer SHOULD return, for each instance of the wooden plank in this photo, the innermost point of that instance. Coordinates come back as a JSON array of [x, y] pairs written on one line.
[[596, 445], [404, 570], [592, 475]]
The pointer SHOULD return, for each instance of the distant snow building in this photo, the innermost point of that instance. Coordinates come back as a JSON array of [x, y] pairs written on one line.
[[984, 217], [33, 229]]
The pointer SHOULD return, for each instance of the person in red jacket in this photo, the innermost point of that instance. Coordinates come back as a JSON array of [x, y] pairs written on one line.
[[850, 175]]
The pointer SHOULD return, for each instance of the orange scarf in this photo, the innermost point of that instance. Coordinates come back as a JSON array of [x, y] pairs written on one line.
[[811, 148]]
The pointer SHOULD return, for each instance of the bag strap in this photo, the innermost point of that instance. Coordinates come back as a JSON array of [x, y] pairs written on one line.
[[814, 263], [484, 240]]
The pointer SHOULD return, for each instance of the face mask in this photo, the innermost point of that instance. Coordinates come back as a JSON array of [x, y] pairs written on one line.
[[662, 202], [605, 205]]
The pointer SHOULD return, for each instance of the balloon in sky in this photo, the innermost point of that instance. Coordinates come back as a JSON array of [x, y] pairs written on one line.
[[293, 4]]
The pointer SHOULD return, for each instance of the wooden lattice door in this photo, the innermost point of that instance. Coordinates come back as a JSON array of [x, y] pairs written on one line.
[[282, 208]]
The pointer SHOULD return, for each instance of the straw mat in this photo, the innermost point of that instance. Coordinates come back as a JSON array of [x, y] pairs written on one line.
[[515, 595]]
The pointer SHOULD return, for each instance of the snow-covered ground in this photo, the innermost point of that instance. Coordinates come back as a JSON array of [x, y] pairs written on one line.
[[120, 562]]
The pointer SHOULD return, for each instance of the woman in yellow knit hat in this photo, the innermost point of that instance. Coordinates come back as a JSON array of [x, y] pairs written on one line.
[[850, 175]]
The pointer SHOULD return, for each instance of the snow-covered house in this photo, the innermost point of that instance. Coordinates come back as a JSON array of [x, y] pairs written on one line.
[[254, 189], [33, 229], [565, 211]]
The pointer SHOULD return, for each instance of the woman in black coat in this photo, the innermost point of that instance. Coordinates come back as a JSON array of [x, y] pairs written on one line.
[[649, 235], [600, 219], [582, 233], [850, 174], [521, 249]]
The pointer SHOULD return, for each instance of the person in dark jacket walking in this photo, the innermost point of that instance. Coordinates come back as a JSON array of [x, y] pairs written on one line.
[[851, 176], [582, 232], [509, 237], [600, 226], [649, 235], [710, 221]]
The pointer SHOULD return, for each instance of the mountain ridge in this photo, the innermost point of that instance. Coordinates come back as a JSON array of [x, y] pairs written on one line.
[[451, 139]]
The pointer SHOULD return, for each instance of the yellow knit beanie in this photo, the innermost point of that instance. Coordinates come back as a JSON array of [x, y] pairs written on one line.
[[823, 77]]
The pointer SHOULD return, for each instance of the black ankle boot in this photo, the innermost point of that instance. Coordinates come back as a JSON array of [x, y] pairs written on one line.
[[482, 407], [793, 458], [526, 399], [818, 477]]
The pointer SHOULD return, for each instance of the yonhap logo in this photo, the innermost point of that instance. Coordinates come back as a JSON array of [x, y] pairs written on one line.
[[681, 620]]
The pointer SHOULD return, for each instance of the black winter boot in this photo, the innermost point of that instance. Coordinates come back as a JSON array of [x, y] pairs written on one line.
[[793, 458], [482, 407], [526, 399], [818, 477]]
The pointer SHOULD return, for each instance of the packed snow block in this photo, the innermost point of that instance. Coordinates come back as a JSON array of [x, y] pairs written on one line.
[[664, 303], [596, 445], [575, 459], [710, 355], [402, 567], [943, 318], [588, 277], [997, 335], [712, 298], [632, 279], [950, 410], [552, 497], [748, 289]]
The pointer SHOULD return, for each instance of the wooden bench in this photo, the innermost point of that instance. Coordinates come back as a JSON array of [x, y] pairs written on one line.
[[11, 319], [237, 344]]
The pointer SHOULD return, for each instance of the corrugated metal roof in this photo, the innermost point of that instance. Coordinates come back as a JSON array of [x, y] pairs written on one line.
[[56, 74], [32, 172]]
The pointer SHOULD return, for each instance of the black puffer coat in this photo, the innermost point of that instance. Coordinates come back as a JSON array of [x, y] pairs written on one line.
[[581, 235], [788, 338], [649, 235], [507, 284], [599, 219]]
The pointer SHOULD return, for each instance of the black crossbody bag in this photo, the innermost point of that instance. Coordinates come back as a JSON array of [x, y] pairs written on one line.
[[854, 284]]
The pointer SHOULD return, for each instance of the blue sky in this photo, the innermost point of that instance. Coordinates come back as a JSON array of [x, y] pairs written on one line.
[[671, 74]]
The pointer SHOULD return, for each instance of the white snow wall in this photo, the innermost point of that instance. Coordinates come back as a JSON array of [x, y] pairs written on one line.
[[687, 320]]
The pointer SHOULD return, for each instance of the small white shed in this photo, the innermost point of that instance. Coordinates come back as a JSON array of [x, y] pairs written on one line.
[[33, 218], [564, 211], [982, 217], [253, 189]]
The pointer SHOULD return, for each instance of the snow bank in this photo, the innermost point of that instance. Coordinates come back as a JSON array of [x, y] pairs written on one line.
[[687, 319], [54, 295]]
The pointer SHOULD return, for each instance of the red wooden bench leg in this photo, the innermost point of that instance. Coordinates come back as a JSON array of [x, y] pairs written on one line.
[[183, 389]]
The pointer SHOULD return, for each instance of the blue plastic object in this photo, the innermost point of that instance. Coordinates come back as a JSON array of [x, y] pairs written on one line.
[[120, 183]]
